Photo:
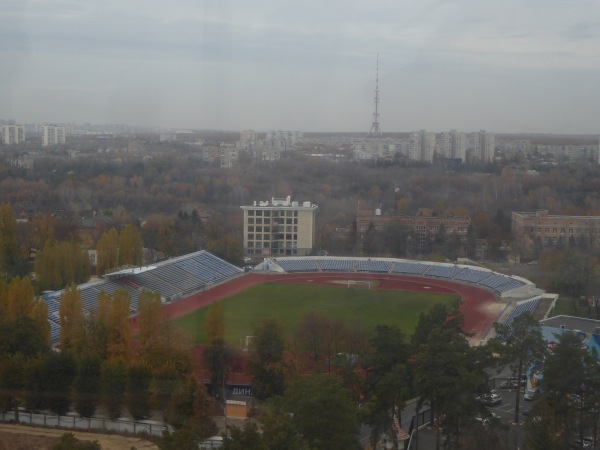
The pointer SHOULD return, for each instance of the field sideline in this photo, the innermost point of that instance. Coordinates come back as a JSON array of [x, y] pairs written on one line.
[[289, 303]]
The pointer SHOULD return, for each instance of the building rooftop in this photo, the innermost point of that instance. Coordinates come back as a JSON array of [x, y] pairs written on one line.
[[279, 203], [573, 323]]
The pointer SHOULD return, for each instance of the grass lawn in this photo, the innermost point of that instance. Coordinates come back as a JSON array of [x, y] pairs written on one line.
[[290, 303], [574, 307]]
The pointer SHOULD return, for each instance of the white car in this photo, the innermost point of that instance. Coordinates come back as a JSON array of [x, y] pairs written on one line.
[[491, 399]]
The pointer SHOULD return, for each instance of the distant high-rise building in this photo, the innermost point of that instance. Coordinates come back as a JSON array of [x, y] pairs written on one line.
[[452, 144], [482, 146], [421, 146], [13, 134], [53, 135], [248, 136]]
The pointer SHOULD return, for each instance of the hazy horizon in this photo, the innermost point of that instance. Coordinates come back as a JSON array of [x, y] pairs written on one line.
[[515, 67]]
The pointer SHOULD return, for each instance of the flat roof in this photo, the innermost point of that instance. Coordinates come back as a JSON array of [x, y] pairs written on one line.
[[572, 323]]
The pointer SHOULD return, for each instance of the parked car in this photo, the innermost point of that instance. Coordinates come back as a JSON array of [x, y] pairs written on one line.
[[491, 399]]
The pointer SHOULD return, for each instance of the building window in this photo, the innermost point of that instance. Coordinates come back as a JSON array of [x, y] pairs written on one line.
[[259, 213], [562, 230], [259, 221], [570, 231], [259, 229], [547, 230], [555, 230], [250, 221], [267, 213]]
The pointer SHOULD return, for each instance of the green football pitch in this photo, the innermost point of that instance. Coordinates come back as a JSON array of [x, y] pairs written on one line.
[[289, 303]]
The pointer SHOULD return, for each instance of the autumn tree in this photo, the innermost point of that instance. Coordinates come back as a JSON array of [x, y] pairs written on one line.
[[150, 316], [61, 263], [217, 358], [70, 313], [60, 370], [86, 386], [21, 300], [8, 239], [113, 386], [139, 377], [190, 408], [107, 251], [119, 342], [214, 323], [265, 361], [130, 246], [96, 327]]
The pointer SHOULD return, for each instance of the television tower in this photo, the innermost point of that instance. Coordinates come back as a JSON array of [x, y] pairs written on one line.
[[375, 130]]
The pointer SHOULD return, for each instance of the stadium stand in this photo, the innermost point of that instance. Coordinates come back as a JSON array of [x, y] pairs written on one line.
[[472, 275], [523, 307], [373, 265], [298, 265], [494, 280], [443, 271], [336, 265], [414, 268], [512, 284], [173, 279]]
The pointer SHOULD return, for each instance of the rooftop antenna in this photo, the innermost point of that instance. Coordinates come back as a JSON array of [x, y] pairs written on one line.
[[375, 131]]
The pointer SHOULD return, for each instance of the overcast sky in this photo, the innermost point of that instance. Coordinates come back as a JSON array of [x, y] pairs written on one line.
[[504, 66]]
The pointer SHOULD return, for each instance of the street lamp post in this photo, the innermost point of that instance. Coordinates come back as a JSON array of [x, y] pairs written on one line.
[[396, 199]]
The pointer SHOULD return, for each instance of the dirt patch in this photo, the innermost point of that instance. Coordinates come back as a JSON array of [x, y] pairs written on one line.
[[19, 437]]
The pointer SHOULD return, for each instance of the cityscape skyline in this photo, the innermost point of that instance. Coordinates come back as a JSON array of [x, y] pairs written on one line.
[[510, 68]]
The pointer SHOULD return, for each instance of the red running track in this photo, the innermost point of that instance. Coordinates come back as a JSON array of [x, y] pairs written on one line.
[[479, 307]]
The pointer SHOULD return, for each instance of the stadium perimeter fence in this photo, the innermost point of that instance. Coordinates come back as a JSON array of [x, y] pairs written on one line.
[[121, 426]]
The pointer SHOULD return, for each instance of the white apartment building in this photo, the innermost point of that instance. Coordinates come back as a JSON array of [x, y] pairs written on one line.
[[280, 227], [482, 146], [452, 144], [284, 140], [13, 134], [421, 146], [53, 135]]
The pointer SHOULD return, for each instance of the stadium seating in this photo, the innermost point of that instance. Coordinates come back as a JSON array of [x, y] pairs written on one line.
[[336, 265], [298, 265], [527, 306], [373, 265], [414, 268], [472, 275], [443, 271]]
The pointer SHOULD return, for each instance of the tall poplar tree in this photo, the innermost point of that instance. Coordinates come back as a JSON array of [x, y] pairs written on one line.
[[8, 239], [70, 313], [21, 300], [119, 344], [130, 246]]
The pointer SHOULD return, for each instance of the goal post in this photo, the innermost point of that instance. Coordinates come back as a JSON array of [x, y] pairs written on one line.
[[359, 284]]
